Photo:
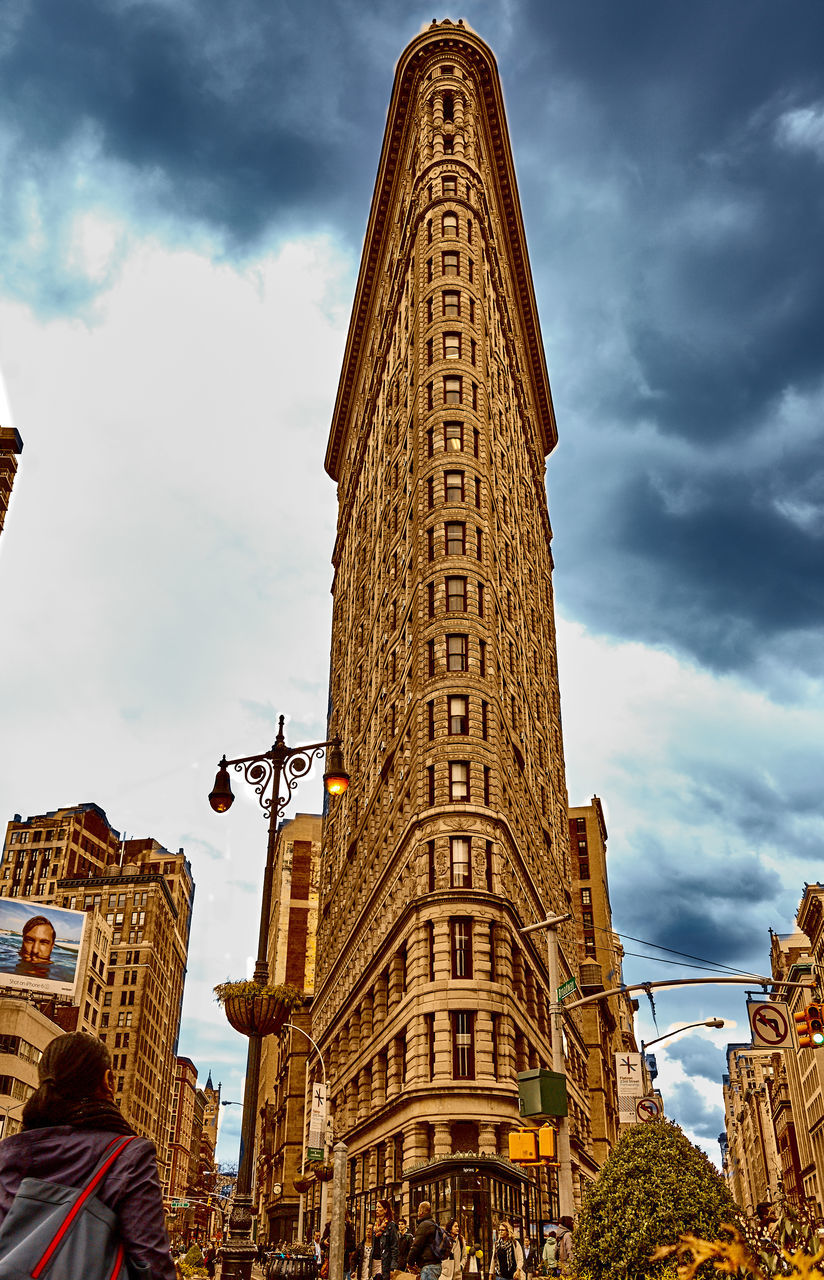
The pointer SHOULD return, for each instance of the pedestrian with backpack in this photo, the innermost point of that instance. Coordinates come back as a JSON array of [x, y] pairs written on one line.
[[430, 1247], [79, 1191]]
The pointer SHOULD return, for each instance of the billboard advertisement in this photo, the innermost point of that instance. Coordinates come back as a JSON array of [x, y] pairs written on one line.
[[39, 947]]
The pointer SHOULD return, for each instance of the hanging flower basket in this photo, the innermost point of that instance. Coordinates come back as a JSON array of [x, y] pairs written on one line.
[[301, 1184], [257, 1011], [322, 1172]]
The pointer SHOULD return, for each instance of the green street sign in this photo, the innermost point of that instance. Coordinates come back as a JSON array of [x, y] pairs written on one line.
[[314, 1153], [566, 988]]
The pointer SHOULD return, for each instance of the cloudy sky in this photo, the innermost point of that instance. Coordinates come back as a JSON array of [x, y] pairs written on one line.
[[184, 188]]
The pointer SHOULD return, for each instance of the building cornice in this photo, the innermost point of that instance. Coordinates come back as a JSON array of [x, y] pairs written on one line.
[[442, 39]]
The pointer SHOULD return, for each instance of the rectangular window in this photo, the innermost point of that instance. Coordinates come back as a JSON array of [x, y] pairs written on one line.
[[477, 491], [429, 1018], [451, 346], [473, 350], [429, 351], [430, 719], [453, 437], [449, 225], [430, 657], [479, 544], [455, 538], [469, 230], [489, 866], [430, 784], [459, 780], [496, 1024], [484, 720], [463, 1046], [429, 270], [430, 544], [458, 714], [457, 650], [430, 492], [450, 264], [430, 395], [430, 598], [430, 928], [487, 775], [430, 849], [471, 270], [456, 595], [480, 599], [476, 442], [449, 186], [453, 390], [586, 897], [461, 931], [583, 869], [428, 310], [460, 867], [474, 395], [453, 486], [482, 657], [451, 303]]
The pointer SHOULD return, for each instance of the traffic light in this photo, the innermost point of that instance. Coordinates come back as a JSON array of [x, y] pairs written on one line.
[[802, 1030], [547, 1143], [809, 1026]]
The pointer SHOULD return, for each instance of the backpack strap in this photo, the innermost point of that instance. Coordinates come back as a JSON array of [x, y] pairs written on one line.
[[105, 1162]]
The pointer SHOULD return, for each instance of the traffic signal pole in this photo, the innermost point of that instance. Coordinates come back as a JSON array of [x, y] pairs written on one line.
[[566, 1198]]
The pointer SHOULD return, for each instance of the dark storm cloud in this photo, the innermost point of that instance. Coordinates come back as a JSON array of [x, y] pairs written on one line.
[[698, 1057], [706, 905], [684, 1102]]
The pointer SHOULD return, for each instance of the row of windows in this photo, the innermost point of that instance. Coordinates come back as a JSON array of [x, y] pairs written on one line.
[[20, 1047], [457, 654], [451, 303], [454, 488], [459, 782], [454, 540], [457, 596], [453, 439], [449, 227], [457, 715], [453, 392], [450, 266], [452, 348]]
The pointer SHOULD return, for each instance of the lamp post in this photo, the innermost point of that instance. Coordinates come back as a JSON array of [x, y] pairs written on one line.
[[265, 772], [566, 1203], [715, 1023], [291, 1027]]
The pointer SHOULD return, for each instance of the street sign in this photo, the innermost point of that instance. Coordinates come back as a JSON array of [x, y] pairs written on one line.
[[771, 1024], [647, 1109], [317, 1118], [314, 1153], [629, 1076], [566, 988]]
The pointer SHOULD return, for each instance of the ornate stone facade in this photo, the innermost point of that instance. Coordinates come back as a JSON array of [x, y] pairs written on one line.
[[444, 682]]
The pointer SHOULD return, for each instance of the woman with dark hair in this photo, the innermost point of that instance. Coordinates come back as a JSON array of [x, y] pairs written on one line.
[[452, 1267], [385, 1244], [67, 1125]]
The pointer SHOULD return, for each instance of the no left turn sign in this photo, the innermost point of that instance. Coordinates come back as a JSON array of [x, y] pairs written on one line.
[[771, 1024], [647, 1109]]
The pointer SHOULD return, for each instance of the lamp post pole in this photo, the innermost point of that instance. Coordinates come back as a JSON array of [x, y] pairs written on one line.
[[266, 773], [566, 1198], [291, 1027], [715, 1023]]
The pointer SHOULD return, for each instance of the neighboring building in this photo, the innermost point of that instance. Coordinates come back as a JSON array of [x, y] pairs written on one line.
[[211, 1113], [753, 1163], [791, 962], [133, 992], [607, 1024], [24, 1034], [444, 682], [11, 446], [281, 1099], [184, 1134]]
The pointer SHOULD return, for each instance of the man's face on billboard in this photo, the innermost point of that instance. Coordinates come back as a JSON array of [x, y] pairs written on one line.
[[37, 944]]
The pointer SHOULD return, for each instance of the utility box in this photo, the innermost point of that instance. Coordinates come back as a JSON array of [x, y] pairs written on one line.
[[542, 1093]]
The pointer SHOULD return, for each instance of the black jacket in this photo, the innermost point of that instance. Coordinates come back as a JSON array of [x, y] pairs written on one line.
[[404, 1245], [421, 1251], [386, 1245]]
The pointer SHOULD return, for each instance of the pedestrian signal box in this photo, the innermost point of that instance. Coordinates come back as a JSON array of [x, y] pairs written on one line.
[[533, 1146], [802, 1029]]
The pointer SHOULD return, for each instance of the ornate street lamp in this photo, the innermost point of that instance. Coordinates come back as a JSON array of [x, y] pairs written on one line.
[[265, 773]]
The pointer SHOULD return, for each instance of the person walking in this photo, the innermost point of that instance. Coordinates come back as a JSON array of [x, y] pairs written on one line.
[[550, 1252], [68, 1123], [385, 1240], [452, 1267], [564, 1239], [405, 1239], [507, 1261], [362, 1258], [422, 1256]]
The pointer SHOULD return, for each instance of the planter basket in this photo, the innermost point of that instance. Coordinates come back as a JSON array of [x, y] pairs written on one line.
[[323, 1172], [301, 1184], [256, 1015]]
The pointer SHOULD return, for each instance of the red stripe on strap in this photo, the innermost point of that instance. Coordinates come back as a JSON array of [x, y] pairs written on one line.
[[76, 1208], [118, 1262]]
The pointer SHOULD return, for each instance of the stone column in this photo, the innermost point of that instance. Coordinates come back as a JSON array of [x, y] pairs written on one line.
[[487, 1140], [396, 980], [483, 1043], [366, 1021], [459, 125], [437, 126], [354, 1034], [379, 1004], [379, 1081], [415, 1142], [394, 1069], [364, 1093], [443, 1138], [443, 1044]]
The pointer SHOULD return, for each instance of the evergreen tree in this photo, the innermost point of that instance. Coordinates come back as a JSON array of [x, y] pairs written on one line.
[[655, 1185]]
